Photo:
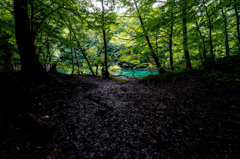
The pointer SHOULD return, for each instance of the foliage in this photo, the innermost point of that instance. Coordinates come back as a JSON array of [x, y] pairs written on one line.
[[70, 32], [220, 76], [113, 69], [225, 69]]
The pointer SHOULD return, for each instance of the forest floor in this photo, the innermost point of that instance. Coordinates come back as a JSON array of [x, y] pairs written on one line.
[[185, 116]]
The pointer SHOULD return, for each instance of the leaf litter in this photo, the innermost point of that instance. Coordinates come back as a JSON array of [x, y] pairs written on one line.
[[88, 117]]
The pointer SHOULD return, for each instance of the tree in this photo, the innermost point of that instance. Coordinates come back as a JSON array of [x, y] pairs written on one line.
[[105, 43], [82, 49], [238, 23], [202, 37], [24, 37], [210, 30], [147, 38], [171, 34], [184, 26], [225, 32]]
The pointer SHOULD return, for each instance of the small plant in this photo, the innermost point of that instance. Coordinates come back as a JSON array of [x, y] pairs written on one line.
[[220, 76], [114, 68]]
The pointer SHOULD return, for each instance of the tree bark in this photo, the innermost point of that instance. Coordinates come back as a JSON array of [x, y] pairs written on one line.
[[105, 44], [32, 16], [200, 52], [170, 43], [203, 41], [72, 57], [156, 60], [210, 35], [78, 65], [105, 55], [48, 53], [82, 50], [185, 45], [226, 33], [31, 66], [238, 31]]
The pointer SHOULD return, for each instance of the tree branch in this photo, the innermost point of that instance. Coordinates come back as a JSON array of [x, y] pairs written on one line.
[[39, 25]]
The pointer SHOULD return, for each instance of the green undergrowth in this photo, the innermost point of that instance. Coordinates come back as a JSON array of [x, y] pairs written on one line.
[[221, 76], [225, 69], [171, 76]]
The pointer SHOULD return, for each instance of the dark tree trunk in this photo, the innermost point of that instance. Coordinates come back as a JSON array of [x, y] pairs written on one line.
[[185, 45], [72, 57], [157, 46], [238, 31], [32, 16], [210, 36], [202, 37], [96, 69], [105, 55], [82, 50], [83, 53], [226, 33], [170, 44], [78, 65], [200, 53], [31, 66], [48, 53], [53, 69], [156, 60], [50, 59], [105, 44]]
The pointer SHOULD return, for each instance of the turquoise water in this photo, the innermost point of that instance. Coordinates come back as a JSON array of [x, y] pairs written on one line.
[[127, 72], [137, 72]]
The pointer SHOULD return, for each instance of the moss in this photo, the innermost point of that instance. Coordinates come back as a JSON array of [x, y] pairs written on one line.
[[121, 80]]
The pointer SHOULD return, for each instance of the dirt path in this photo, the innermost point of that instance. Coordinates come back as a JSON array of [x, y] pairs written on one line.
[[133, 120], [108, 119]]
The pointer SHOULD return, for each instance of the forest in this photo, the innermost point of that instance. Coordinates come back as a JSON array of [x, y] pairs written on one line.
[[66, 91]]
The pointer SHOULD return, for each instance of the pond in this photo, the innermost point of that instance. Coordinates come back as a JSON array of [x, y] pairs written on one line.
[[137, 72], [124, 71]]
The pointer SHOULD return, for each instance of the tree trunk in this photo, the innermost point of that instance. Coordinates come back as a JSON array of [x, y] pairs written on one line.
[[226, 33], [53, 69], [202, 37], [157, 45], [78, 65], [238, 31], [31, 66], [32, 16], [210, 35], [48, 53], [185, 45], [105, 55], [82, 50], [105, 43], [96, 69], [72, 57], [200, 52], [50, 60], [170, 43], [148, 41]]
